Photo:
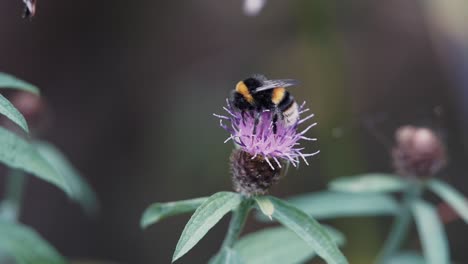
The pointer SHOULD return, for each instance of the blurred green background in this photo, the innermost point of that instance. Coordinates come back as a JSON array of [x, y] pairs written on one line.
[[131, 87]]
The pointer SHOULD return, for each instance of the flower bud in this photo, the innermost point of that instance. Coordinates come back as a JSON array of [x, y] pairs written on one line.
[[418, 152], [252, 175], [34, 110]]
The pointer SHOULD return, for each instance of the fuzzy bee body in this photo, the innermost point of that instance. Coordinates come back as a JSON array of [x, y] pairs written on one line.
[[257, 93], [291, 114]]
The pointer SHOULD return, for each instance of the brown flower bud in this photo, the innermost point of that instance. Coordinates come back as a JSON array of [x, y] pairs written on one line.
[[418, 152], [34, 110], [252, 175]]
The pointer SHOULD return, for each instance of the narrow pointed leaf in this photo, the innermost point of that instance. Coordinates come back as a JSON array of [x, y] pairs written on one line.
[[325, 205], [9, 81], [7, 109], [17, 153], [431, 233], [158, 211], [227, 256], [279, 245], [265, 206], [309, 230], [26, 246], [204, 218], [80, 191], [450, 195], [373, 182]]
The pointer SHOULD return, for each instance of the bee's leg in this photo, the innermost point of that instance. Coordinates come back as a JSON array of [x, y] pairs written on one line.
[[257, 120], [274, 121], [276, 114]]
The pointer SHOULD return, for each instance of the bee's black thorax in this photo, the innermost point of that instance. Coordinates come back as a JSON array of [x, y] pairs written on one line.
[[252, 83], [263, 100]]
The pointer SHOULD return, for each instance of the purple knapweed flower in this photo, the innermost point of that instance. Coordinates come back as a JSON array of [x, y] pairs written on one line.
[[259, 157], [282, 145]]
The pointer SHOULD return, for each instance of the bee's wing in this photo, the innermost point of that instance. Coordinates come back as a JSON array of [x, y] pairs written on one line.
[[271, 84]]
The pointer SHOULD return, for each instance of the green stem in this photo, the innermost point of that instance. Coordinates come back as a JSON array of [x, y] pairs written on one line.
[[401, 224], [239, 216], [11, 205]]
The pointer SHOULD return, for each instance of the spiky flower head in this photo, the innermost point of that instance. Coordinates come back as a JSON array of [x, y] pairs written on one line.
[[260, 157], [419, 152]]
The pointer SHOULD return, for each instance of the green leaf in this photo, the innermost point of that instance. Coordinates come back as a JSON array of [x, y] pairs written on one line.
[[80, 190], [309, 230], [20, 154], [7, 109], [325, 205], [431, 233], [373, 182], [279, 245], [450, 195], [26, 246], [9, 81], [265, 206], [406, 258], [227, 256], [158, 211], [204, 218]]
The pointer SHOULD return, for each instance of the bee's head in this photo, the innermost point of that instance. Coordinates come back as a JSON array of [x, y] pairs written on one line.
[[254, 82], [246, 89]]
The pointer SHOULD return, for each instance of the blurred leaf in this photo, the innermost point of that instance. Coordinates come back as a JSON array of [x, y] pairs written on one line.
[[227, 256], [158, 211], [454, 198], [80, 190], [324, 205], [309, 230], [20, 154], [265, 206], [431, 233], [373, 182], [279, 245], [26, 246], [9, 81], [7, 109], [204, 218], [13, 195], [407, 258]]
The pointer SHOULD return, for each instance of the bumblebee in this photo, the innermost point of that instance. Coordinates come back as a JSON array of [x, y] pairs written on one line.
[[257, 94]]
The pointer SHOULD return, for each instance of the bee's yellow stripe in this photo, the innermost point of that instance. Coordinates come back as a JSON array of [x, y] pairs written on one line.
[[244, 91], [278, 95]]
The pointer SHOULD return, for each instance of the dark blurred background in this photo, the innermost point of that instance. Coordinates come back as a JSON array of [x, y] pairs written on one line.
[[131, 87]]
